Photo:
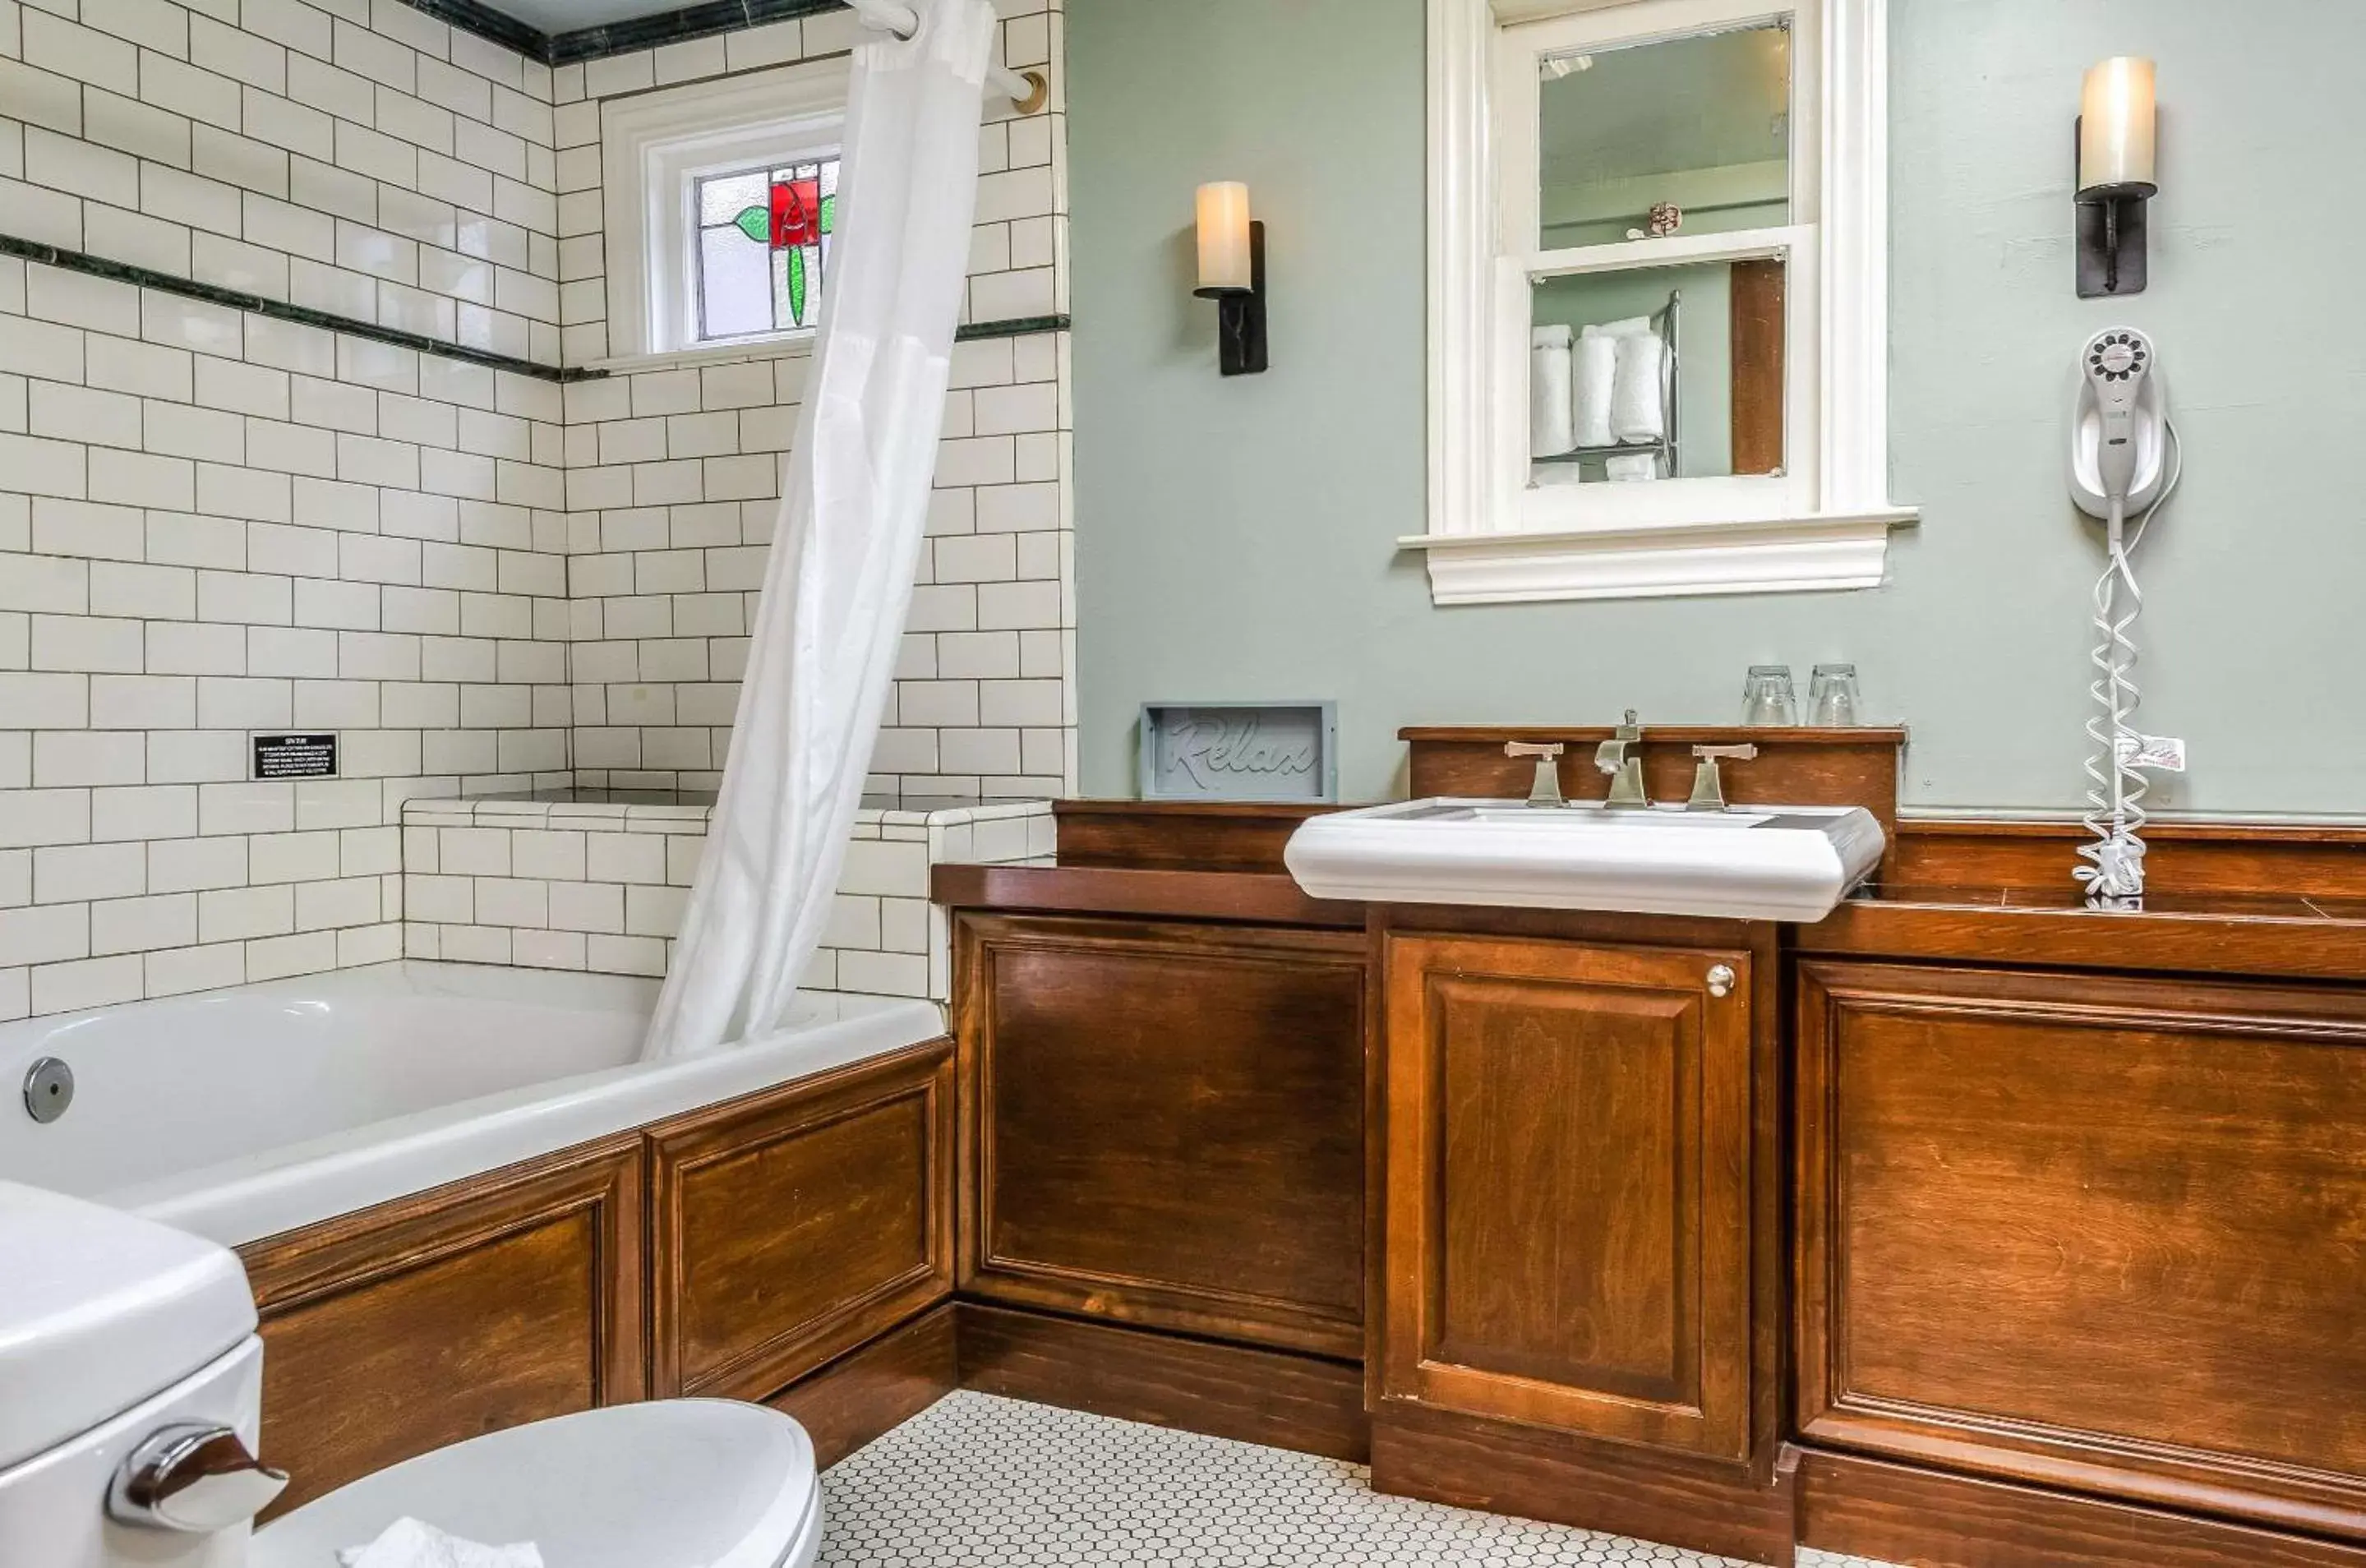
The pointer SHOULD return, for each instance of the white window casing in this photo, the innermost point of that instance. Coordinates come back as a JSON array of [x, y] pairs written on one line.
[[654, 147], [1821, 523]]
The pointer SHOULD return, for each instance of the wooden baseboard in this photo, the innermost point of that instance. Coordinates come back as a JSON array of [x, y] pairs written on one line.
[[882, 1385], [1896, 1513], [1500, 1468], [1285, 1401]]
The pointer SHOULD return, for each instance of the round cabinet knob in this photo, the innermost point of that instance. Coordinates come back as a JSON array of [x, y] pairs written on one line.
[[1721, 979], [192, 1476]]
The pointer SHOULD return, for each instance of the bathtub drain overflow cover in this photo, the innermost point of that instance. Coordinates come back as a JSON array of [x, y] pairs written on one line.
[[48, 1089]]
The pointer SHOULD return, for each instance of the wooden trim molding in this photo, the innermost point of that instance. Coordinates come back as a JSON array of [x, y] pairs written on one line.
[[1900, 1513], [1307, 1403], [1262, 899], [868, 1391]]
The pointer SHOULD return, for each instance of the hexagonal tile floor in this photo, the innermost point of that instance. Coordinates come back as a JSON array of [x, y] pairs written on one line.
[[977, 1481]]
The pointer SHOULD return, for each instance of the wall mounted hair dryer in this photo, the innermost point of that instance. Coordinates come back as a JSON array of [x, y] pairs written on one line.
[[2123, 463], [2119, 433]]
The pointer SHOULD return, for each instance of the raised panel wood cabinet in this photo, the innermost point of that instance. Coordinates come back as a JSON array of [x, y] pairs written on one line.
[[2102, 1234], [796, 1224], [1567, 1187], [1166, 1124], [460, 1311]]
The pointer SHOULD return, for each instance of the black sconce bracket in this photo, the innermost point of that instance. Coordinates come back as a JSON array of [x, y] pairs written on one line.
[[2111, 253], [1240, 315]]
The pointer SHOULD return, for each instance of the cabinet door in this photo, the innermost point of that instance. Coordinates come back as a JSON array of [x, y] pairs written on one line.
[[499, 1299], [2104, 1233], [794, 1225], [1567, 1184], [1166, 1125]]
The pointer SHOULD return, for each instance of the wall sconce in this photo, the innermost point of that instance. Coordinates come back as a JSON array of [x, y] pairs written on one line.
[[2114, 175], [1231, 273]]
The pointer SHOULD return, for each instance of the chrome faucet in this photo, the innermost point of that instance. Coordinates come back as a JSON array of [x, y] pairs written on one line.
[[1620, 757]]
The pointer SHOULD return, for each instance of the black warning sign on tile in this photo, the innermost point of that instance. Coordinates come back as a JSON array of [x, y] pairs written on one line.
[[296, 756]]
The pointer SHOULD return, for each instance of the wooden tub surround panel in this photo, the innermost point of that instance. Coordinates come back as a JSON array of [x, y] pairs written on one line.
[[796, 1224], [449, 1315], [732, 1250]]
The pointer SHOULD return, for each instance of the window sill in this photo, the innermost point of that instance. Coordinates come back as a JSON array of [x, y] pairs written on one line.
[[1790, 555], [798, 348]]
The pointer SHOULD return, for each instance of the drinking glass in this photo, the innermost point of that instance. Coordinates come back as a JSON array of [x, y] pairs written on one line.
[[1831, 695], [1767, 697]]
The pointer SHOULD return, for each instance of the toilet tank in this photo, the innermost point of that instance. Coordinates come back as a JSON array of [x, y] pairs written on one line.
[[110, 1327]]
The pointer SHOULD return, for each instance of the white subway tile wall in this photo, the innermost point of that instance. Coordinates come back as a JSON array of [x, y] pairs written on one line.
[[213, 523], [673, 477], [601, 886]]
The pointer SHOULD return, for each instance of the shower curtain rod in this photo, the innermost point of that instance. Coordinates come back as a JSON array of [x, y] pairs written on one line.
[[1027, 90]]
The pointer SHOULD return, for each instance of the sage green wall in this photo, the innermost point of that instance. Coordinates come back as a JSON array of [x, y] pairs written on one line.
[[1234, 537]]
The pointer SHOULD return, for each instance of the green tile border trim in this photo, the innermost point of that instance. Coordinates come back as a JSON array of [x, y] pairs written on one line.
[[280, 311], [667, 27], [578, 44], [1017, 326]]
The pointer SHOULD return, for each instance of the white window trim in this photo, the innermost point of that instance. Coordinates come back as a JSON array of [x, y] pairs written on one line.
[[652, 145], [1826, 523]]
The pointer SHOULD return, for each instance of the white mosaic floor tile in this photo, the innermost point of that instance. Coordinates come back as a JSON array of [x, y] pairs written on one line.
[[978, 1481]]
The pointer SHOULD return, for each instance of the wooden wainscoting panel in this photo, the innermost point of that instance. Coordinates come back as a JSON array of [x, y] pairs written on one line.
[[2263, 859], [1284, 1401], [1569, 1194], [792, 1226], [480, 1306], [2098, 1233], [1166, 1124], [1803, 766], [869, 1391], [1896, 1513], [1178, 835]]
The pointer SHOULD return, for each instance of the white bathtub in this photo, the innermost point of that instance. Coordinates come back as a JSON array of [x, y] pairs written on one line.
[[245, 1112]]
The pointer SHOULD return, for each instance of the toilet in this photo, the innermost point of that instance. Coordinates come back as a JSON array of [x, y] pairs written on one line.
[[131, 1398]]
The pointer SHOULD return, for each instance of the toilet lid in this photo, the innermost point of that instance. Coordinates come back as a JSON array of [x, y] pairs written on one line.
[[669, 1484]]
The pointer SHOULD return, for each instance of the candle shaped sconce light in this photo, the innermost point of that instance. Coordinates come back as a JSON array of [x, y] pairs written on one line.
[[2114, 178], [1231, 273]]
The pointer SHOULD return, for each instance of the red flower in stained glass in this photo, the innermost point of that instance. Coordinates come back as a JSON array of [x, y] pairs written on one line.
[[797, 213]]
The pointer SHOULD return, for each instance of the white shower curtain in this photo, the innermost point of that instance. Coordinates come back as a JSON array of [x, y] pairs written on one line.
[[839, 579]]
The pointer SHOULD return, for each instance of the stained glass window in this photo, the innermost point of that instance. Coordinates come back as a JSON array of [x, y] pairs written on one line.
[[763, 248]]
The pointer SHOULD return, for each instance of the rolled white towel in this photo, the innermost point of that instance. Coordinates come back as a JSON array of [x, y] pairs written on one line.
[[1638, 410], [1548, 396], [1626, 326], [1627, 468], [408, 1543], [1596, 372]]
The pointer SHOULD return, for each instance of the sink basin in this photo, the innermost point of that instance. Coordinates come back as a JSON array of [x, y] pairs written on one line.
[[1760, 863]]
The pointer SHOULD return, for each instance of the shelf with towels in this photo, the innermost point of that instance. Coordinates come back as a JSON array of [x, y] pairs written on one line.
[[1664, 322]]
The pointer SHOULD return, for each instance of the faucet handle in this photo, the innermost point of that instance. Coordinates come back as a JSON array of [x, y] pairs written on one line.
[[1632, 728], [1708, 784], [1546, 790]]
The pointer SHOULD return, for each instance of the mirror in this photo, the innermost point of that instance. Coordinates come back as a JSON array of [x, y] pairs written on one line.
[[1654, 373], [1684, 135]]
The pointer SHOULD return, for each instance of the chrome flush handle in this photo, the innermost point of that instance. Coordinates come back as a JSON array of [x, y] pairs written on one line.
[[192, 1476], [1721, 979]]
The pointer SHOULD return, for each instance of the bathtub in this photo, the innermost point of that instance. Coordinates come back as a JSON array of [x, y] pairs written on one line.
[[241, 1114]]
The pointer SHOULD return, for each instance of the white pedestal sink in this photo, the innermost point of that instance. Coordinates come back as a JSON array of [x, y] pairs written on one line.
[[1759, 863]]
